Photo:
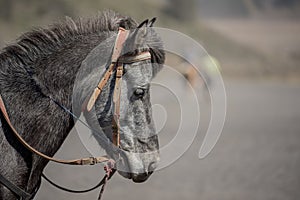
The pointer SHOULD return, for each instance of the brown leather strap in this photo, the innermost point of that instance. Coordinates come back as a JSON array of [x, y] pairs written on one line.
[[116, 102], [121, 38], [132, 59], [99, 87], [81, 161]]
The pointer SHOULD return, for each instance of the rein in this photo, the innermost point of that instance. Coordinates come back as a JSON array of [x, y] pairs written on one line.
[[116, 66]]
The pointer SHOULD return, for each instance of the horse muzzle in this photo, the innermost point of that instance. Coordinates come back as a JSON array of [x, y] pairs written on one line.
[[137, 166]]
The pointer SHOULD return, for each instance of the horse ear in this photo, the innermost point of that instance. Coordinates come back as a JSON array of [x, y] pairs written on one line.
[[141, 31], [138, 36], [152, 21], [145, 22]]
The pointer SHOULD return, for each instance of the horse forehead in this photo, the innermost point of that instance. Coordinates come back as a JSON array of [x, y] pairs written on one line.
[[139, 74]]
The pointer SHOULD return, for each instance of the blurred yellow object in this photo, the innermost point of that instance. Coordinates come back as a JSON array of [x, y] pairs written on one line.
[[211, 65]]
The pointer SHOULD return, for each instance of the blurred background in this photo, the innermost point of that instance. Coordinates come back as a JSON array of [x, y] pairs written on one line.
[[249, 37], [257, 43]]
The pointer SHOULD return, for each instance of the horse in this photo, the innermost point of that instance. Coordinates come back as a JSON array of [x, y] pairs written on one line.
[[37, 78]]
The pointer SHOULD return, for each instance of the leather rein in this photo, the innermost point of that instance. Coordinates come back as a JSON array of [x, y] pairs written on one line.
[[116, 66]]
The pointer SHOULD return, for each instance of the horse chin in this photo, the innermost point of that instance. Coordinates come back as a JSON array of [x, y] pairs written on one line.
[[137, 178], [124, 170]]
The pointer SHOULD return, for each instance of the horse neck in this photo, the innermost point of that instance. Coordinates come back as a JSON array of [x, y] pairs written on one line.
[[39, 120]]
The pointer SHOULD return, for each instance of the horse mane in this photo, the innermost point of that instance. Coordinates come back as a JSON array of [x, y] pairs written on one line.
[[43, 41], [22, 64]]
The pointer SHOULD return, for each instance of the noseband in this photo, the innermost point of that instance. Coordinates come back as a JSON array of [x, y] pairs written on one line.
[[116, 67]]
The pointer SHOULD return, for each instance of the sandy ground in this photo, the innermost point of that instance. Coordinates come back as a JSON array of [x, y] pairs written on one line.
[[257, 156]]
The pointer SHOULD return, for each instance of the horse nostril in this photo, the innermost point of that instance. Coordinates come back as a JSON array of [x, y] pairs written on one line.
[[152, 167], [142, 141]]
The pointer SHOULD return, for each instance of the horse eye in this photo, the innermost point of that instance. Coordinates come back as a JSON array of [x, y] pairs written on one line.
[[139, 92]]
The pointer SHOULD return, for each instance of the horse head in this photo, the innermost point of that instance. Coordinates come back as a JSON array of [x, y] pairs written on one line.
[[138, 152]]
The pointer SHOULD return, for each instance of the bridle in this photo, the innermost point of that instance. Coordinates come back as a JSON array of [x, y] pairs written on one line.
[[116, 67]]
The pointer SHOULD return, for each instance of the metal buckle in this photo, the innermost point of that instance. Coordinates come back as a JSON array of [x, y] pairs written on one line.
[[93, 160], [119, 72]]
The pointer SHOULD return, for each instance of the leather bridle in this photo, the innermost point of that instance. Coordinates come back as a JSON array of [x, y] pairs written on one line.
[[116, 66]]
